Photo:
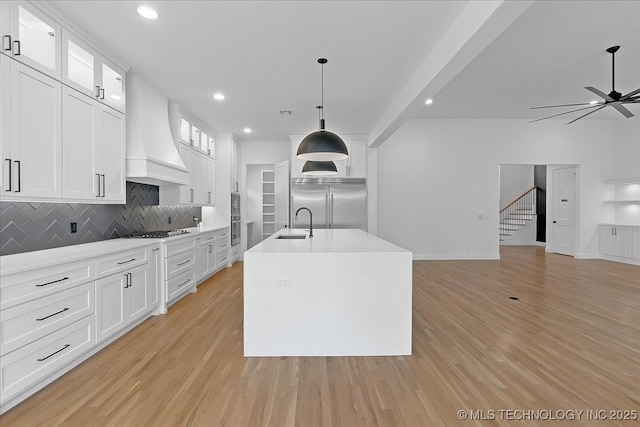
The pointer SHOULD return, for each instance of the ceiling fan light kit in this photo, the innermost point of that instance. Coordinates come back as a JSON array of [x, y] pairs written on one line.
[[322, 145], [614, 99]]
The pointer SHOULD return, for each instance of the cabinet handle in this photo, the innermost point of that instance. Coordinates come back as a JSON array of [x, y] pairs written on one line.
[[191, 192], [51, 283], [98, 176], [6, 37], [55, 352], [155, 250], [101, 93], [184, 263], [182, 284], [209, 196], [17, 162], [51, 315], [126, 262], [210, 249], [97, 91], [9, 160], [104, 185], [16, 51]]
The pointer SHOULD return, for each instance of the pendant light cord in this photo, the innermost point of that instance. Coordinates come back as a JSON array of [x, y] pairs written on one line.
[[322, 89]]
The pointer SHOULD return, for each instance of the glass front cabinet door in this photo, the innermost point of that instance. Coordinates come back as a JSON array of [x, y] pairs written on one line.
[[31, 37], [87, 71]]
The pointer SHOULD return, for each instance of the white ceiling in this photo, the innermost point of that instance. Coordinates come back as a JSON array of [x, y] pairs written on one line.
[[262, 55]]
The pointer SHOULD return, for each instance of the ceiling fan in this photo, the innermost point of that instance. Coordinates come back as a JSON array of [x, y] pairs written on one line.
[[613, 99]]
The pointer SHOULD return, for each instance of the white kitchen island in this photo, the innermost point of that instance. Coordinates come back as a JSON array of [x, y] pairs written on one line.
[[339, 293]]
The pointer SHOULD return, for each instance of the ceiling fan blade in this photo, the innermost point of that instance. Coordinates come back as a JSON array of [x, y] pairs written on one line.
[[567, 112], [599, 93], [630, 94], [622, 109], [584, 115], [562, 105]]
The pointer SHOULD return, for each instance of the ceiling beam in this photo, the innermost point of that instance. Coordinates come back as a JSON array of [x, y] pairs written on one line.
[[477, 26]]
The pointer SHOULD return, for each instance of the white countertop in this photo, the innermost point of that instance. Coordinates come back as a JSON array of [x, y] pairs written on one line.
[[326, 241], [16, 263]]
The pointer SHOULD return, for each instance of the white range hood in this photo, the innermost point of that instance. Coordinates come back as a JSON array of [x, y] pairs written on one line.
[[152, 157]]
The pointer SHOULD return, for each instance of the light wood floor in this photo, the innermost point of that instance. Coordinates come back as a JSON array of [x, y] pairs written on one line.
[[571, 342]]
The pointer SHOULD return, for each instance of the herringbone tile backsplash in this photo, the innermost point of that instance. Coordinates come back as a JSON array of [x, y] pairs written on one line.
[[26, 227]]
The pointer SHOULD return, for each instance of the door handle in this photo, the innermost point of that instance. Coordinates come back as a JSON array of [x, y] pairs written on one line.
[[19, 173], [9, 160]]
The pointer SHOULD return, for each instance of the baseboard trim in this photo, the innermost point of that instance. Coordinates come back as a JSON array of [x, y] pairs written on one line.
[[455, 257], [631, 261]]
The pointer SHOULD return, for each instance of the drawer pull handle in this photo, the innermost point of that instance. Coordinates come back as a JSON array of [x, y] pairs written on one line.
[[51, 315], [183, 263], [55, 352], [182, 284], [127, 262], [51, 283]]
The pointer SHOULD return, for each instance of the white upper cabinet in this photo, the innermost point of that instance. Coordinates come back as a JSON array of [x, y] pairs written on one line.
[[5, 120], [92, 150], [85, 70], [31, 153], [30, 36]]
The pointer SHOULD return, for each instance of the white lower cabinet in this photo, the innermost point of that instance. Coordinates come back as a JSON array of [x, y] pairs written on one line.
[[29, 364], [206, 256], [121, 299], [53, 317], [180, 268], [620, 242]]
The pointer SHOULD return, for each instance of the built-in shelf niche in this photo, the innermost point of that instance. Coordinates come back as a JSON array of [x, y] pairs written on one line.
[[268, 203]]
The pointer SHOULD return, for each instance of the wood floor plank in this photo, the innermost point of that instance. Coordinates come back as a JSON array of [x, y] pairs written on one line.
[[570, 341]]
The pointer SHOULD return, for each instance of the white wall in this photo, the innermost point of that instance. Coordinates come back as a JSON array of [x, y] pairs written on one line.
[[438, 183], [514, 181]]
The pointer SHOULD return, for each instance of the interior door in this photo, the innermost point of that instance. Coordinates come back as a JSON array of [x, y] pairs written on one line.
[[564, 210], [282, 195]]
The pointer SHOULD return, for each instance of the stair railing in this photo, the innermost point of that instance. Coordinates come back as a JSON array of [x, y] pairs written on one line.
[[519, 209]]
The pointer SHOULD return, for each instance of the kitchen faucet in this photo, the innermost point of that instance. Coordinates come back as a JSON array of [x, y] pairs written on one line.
[[310, 219]]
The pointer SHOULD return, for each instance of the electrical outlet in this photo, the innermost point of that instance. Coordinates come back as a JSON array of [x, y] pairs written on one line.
[[73, 227]]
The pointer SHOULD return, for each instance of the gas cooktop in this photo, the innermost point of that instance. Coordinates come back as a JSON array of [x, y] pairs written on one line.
[[155, 234]]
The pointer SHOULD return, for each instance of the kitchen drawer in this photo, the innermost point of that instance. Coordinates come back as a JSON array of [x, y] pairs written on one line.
[[121, 262], [222, 246], [223, 234], [28, 322], [177, 264], [181, 284], [180, 246], [222, 259], [208, 238], [29, 364], [235, 251], [23, 287]]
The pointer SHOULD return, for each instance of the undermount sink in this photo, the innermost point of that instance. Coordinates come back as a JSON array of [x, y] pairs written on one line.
[[292, 236]]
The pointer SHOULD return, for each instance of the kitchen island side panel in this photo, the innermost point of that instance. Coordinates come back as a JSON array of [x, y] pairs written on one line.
[[327, 304]]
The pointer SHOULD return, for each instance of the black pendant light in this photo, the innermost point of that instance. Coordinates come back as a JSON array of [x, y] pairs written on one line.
[[319, 168], [322, 145]]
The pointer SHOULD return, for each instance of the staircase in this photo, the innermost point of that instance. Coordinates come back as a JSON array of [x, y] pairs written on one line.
[[518, 214]]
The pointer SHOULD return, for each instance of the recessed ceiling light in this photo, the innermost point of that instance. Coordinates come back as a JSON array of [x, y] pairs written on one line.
[[593, 102], [147, 12], [247, 130], [428, 101], [218, 96]]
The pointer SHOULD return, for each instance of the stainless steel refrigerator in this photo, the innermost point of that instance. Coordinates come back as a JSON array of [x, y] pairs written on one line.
[[334, 202]]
